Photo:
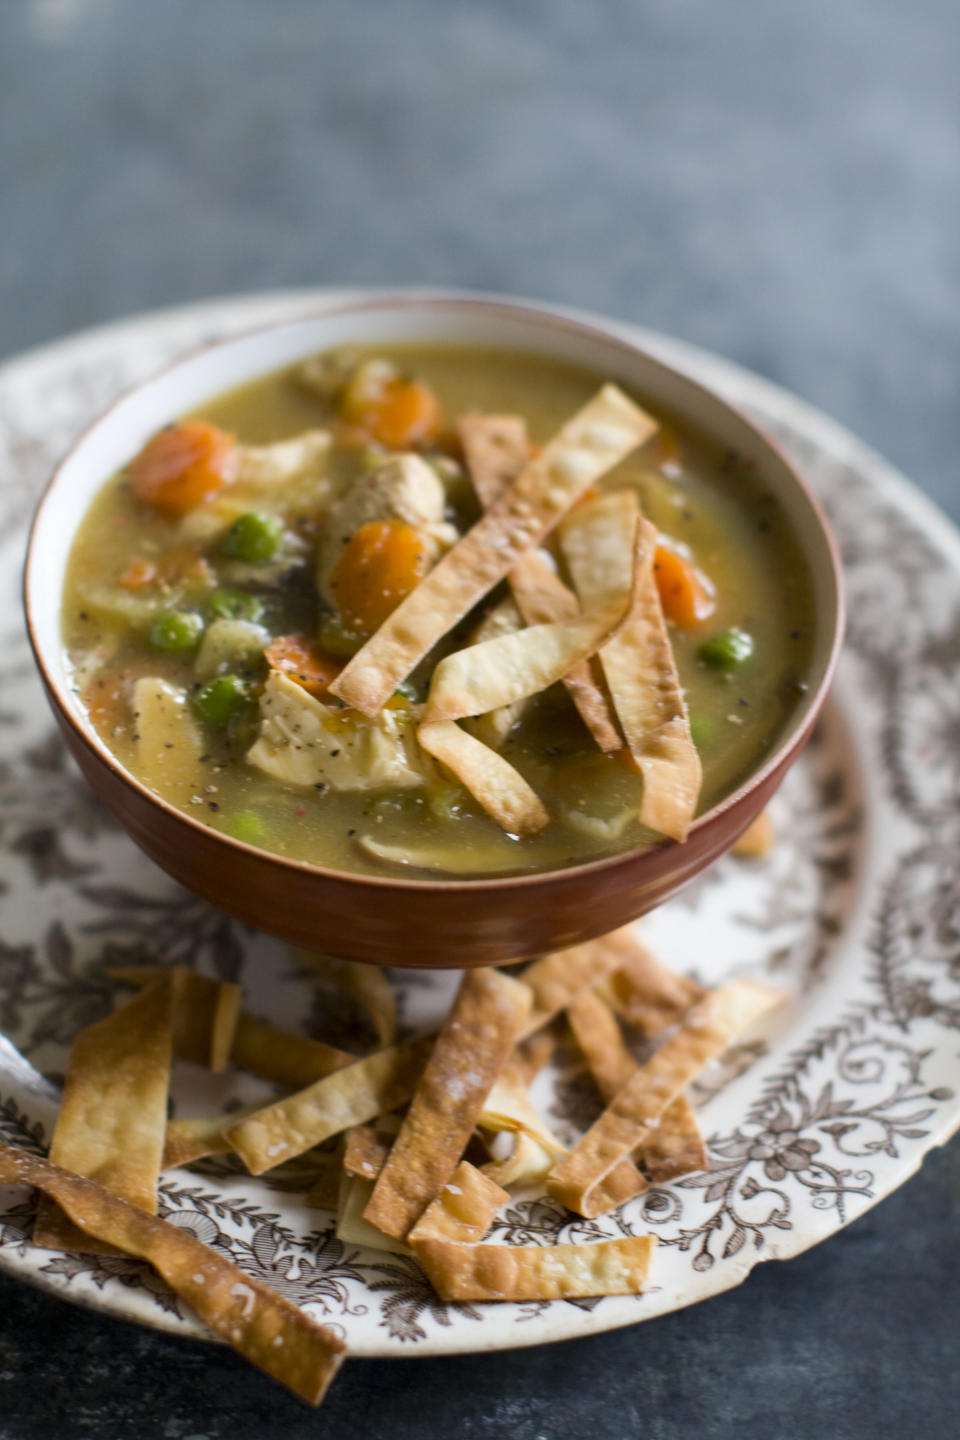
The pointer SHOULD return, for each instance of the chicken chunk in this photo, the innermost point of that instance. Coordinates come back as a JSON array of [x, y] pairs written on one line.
[[304, 742], [288, 478], [403, 488], [168, 739]]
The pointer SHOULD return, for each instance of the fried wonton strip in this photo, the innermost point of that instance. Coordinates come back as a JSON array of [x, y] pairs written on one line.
[[513, 666], [471, 1049], [557, 979], [194, 1138], [351, 1096], [494, 727], [463, 1210], [527, 1164], [113, 1114], [223, 1026], [536, 1272], [367, 984], [597, 1033], [366, 1152], [529, 1057], [644, 992], [287, 1059], [675, 1146], [509, 1107], [704, 1033], [491, 780], [542, 597], [264, 1327], [606, 429], [758, 839], [496, 450], [672, 1147], [638, 662]]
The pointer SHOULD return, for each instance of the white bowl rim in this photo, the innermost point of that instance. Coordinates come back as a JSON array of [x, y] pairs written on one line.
[[534, 313]]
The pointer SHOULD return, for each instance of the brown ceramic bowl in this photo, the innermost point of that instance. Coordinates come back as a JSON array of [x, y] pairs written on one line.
[[393, 920]]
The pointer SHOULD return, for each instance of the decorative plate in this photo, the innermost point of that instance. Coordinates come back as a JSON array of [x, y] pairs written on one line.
[[856, 914]]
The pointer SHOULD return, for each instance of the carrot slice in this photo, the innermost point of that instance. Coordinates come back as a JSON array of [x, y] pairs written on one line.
[[378, 567], [304, 662], [182, 465], [398, 415], [139, 575], [683, 595]]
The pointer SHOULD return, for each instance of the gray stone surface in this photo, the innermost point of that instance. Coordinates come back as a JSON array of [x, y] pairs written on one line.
[[779, 182]]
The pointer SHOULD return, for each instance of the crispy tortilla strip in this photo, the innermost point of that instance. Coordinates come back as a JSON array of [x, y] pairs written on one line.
[[193, 1138], [704, 1033], [463, 1210], [264, 1327], [671, 1148], [557, 979], [758, 838], [675, 1146], [529, 1057], [494, 727], [527, 1165], [366, 1152], [496, 450], [644, 992], [205, 1011], [638, 662], [597, 1033], [501, 790], [536, 1272], [223, 1027], [293, 1061], [286, 1059], [113, 1114], [605, 430], [514, 666], [470, 1051], [352, 1228], [351, 1096], [367, 984], [542, 597]]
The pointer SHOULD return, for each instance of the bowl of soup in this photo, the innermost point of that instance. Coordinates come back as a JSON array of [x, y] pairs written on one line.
[[431, 629]]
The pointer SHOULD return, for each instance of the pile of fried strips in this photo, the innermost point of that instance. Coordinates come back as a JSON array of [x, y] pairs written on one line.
[[387, 1134], [605, 639]]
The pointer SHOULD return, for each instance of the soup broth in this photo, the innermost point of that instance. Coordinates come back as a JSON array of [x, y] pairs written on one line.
[[136, 563]]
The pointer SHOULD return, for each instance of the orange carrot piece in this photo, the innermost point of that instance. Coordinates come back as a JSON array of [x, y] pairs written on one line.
[[182, 465], [303, 661], [683, 595], [378, 567], [139, 575], [400, 414]]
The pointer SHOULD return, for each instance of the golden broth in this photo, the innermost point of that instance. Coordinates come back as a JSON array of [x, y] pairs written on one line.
[[702, 499]]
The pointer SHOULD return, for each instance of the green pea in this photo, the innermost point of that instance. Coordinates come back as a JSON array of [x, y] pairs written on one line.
[[727, 650], [245, 825], [220, 699], [235, 605], [701, 730], [176, 631], [253, 537], [337, 639]]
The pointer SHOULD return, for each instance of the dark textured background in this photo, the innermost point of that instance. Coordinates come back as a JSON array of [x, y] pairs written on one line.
[[778, 182]]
